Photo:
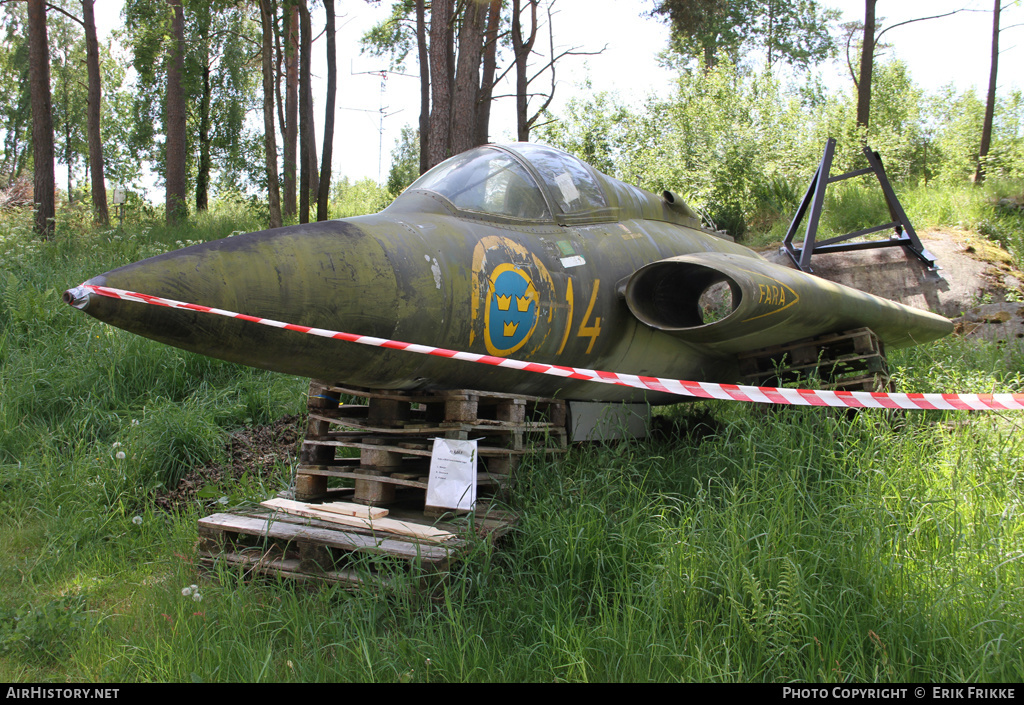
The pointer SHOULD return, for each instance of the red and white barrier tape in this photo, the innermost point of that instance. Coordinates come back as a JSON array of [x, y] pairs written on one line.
[[702, 390]]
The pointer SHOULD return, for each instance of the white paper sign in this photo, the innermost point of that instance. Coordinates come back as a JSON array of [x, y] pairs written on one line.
[[452, 480], [567, 187]]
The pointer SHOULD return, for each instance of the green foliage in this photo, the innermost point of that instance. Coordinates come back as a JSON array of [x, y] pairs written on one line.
[[222, 80], [49, 631], [725, 134], [955, 147], [405, 161], [896, 124], [360, 198], [741, 148], [593, 129], [70, 95], [393, 37], [15, 108], [69, 99], [796, 32]]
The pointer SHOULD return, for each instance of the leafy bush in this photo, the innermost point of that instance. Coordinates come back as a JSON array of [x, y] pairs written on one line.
[[47, 632]]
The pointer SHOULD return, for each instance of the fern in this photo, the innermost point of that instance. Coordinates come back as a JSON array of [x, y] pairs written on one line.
[[11, 298], [772, 617]]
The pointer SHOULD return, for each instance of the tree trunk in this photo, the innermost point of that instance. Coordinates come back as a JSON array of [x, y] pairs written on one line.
[[441, 51], [521, 49], [710, 57], [467, 79], [270, 134], [308, 182], [867, 62], [424, 57], [176, 113], [490, 61], [291, 127], [990, 102], [203, 177], [68, 156], [332, 91], [67, 161], [314, 176], [92, 61], [42, 119]]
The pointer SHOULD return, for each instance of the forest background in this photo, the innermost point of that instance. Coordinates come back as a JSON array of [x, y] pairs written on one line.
[[774, 59], [797, 546]]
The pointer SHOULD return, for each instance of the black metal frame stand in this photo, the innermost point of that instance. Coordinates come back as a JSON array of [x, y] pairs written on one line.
[[904, 234]]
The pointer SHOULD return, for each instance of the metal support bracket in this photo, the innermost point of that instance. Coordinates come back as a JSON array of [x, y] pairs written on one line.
[[903, 232]]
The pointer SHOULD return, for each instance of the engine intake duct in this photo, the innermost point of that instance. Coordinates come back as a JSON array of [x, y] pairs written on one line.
[[734, 303]]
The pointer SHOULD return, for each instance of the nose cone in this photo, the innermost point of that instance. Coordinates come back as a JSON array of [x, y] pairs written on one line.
[[331, 274]]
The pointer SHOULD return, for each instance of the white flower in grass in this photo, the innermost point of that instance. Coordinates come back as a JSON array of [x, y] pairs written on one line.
[[137, 520], [196, 597], [120, 455], [117, 444], [186, 591]]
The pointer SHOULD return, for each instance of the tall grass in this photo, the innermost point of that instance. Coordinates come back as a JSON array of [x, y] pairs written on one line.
[[794, 545]]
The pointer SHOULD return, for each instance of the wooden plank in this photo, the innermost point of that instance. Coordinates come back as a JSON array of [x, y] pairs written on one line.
[[348, 541], [402, 528], [345, 508], [440, 395], [418, 427], [853, 363], [285, 530], [287, 568], [400, 479], [329, 472], [422, 450], [419, 466]]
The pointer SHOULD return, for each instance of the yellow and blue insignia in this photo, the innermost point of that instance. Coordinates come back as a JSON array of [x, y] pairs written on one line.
[[507, 326]]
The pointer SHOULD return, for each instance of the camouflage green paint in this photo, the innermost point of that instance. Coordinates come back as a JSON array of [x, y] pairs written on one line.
[[586, 288]]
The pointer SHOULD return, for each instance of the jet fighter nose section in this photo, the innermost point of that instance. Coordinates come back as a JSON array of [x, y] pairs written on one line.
[[77, 297], [331, 274]]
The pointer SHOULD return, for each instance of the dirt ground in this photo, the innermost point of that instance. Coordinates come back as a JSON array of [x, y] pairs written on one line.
[[258, 450]]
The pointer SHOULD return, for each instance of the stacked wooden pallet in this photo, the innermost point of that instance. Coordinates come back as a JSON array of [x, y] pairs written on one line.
[[393, 434], [852, 361], [375, 524]]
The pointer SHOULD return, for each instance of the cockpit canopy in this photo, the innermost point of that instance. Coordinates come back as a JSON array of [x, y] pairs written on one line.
[[506, 181]]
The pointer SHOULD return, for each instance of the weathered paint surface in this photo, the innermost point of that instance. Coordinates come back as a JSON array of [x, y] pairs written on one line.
[[614, 287]]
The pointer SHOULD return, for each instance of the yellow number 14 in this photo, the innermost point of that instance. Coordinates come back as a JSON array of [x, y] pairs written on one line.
[[586, 329]]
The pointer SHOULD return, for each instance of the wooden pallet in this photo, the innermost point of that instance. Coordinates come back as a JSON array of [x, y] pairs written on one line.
[[393, 433], [268, 542], [388, 440], [850, 361]]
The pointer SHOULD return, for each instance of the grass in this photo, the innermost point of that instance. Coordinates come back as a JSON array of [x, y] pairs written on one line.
[[787, 546]]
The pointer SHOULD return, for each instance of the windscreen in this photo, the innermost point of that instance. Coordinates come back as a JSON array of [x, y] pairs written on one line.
[[487, 181], [570, 182]]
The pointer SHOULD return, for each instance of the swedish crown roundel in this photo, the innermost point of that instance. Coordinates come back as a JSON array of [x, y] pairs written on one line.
[[511, 313]]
